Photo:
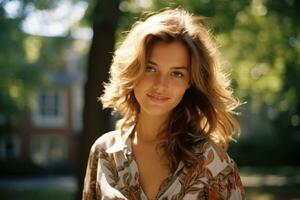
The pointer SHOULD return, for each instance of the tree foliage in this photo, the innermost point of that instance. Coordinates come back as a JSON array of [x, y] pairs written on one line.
[[259, 41], [16, 72], [23, 57]]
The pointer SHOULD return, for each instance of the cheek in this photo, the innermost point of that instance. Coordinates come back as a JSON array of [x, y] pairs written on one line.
[[143, 83], [181, 92], [179, 87], [140, 86]]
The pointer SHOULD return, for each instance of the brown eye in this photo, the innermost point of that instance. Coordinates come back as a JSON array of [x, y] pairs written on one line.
[[150, 69], [177, 74]]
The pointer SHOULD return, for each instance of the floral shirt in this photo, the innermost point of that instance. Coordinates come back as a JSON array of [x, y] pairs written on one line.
[[112, 173]]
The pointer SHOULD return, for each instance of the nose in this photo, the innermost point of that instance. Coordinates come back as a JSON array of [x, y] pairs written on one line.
[[161, 82]]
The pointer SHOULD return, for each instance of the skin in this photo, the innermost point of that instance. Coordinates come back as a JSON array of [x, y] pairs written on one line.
[[158, 92]]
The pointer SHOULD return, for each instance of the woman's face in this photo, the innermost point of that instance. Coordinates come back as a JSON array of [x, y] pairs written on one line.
[[165, 80]]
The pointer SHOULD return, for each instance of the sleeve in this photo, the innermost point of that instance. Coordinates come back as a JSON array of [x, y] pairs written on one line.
[[91, 189], [227, 185]]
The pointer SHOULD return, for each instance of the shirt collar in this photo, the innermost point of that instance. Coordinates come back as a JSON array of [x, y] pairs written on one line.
[[122, 142]]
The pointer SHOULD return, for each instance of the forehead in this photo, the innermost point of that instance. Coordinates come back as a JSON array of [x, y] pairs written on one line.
[[169, 53]]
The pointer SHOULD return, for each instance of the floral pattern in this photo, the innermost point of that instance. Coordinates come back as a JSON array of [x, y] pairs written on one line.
[[112, 174]]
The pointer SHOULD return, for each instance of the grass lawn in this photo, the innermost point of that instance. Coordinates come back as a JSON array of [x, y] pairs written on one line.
[[271, 183], [36, 194], [273, 193], [287, 171]]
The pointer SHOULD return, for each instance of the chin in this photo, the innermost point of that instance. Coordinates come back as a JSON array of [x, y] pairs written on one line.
[[157, 112]]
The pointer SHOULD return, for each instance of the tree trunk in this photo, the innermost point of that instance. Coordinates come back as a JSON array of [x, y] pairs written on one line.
[[95, 120]]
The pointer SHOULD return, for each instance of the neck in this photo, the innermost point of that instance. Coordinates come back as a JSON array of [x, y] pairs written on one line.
[[148, 128]]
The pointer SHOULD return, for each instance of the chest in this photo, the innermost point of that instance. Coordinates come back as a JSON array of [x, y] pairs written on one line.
[[153, 169]]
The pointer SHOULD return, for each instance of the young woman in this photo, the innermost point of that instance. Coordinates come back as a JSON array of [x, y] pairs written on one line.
[[176, 104]]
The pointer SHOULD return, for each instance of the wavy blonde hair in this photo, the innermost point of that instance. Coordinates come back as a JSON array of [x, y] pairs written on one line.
[[207, 108]]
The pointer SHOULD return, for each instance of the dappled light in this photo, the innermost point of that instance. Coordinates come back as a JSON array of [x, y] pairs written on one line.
[[54, 58]]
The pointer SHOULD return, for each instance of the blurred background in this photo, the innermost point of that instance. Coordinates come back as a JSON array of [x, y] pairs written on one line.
[[55, 55]]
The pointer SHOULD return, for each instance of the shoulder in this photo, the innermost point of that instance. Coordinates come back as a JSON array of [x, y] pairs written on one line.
[[215, 172], [106, 141], [216, 158], [223, 176]]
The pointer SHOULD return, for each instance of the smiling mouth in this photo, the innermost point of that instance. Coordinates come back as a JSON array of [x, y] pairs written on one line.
[[158, 98]]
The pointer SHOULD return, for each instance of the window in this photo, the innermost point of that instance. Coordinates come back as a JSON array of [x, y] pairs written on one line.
[[9, 147], [47, 150], [48, 104], [50, 109]]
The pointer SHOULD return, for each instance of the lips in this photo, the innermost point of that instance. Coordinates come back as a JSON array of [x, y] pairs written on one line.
[[158, 98]]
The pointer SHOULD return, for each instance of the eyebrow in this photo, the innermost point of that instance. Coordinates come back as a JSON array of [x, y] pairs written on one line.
[[177, 67]]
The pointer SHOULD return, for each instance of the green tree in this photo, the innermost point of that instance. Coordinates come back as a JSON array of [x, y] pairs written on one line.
[[259, 40], [17, 75], [260, 44], [23, 57], [104, 18]]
